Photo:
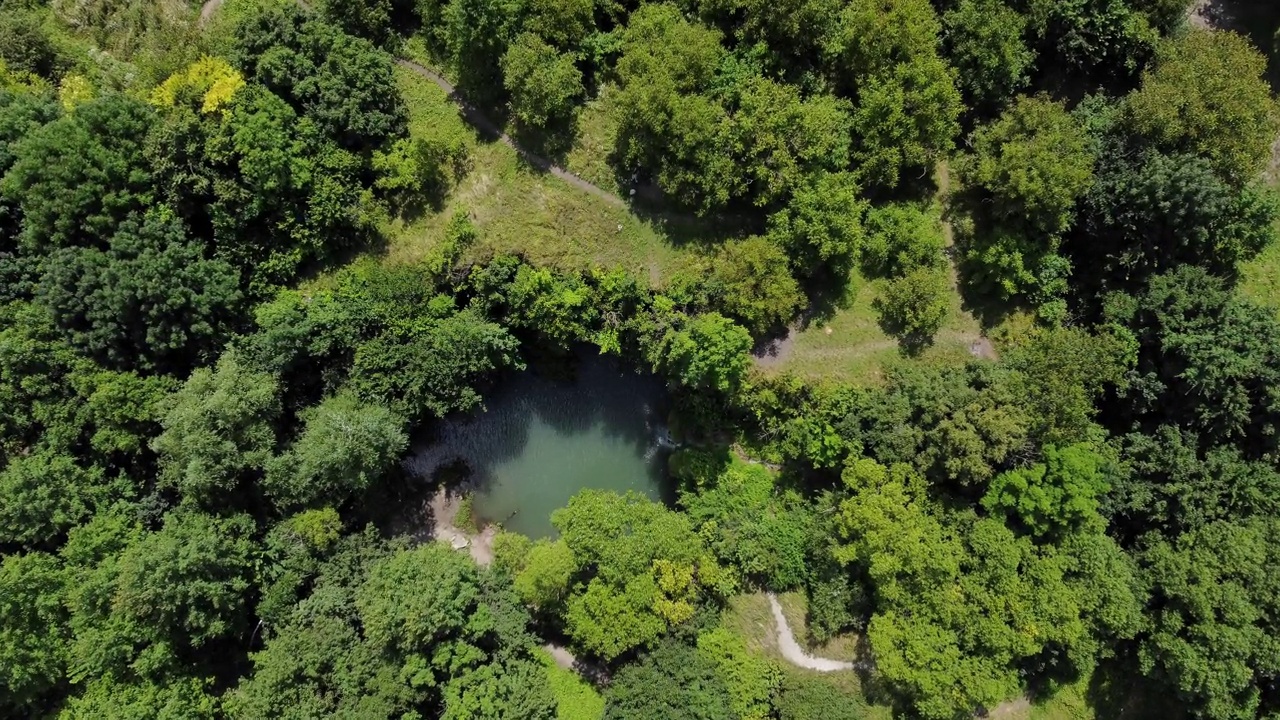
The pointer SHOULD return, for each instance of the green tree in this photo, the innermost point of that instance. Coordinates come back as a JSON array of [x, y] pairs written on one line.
[[25, 45], [563, 23], [1060, 374], [710, 351], [749, 525], [1174, 484], [784, 138], [871, 36], [343, 83], [315, 661], [123, 411], [37, 368], [751, 680], [345, 447], [75, 179], [147, 602], [821, 227], [433, 367], [668, 126], [150, 301], [508, 691], [33, 630], [544, 84], [1213, 639], [369, 19], [905, 118], [1162, 211], [1055, 496], [20, 114], [1031, 165], [984, 42], [315, 668], [962, 606], [558, 307], [1206, 96], [476, 36], [420, 598], [275, 191], [673, 681], [1105, 39], [44, 494], [220, 427], [901, 237], [174, 699], [1164, 14], [642, 569], [546, 574], [750, 281], [1205, 362]]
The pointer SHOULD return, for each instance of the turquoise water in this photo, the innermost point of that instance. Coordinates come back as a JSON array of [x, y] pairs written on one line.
[[542, 440]]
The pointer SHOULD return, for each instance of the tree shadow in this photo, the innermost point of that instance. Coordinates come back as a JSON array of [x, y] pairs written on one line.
[[1117, 690], [829, 291], [963, 212], [551, 142]]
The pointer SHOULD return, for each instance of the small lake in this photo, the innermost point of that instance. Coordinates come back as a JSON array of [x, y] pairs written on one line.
[[542, 440]]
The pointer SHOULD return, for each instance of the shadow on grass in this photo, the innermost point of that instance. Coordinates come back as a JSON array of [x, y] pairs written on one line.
[[1117, 690], [551, 142]]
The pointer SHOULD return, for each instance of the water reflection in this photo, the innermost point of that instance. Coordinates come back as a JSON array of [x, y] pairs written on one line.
[[542, 440]]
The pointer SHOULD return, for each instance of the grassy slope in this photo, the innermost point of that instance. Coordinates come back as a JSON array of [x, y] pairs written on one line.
[[521, 210], [1260, 277], [575, 698], [1258, 20]]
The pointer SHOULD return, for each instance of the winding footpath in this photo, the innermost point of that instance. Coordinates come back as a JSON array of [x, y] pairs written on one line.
[[791, 649]]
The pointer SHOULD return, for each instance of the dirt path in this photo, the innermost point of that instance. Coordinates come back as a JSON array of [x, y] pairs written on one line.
[[473, 115], [444, 507], [208, 9], [791, 649]]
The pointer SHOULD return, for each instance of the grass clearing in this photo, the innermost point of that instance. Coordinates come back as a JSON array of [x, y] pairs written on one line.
[[521, 210], [1260, 277], [750, 617], [575, 698], [852, 347]]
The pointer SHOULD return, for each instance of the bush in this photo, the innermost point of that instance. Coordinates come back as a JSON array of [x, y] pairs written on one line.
[[806, 697]]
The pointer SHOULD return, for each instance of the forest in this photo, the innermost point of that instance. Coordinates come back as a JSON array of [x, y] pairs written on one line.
[[252, 252]]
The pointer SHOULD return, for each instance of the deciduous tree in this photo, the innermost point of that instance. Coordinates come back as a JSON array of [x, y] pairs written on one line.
[[220, 429], [1206, 96]]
